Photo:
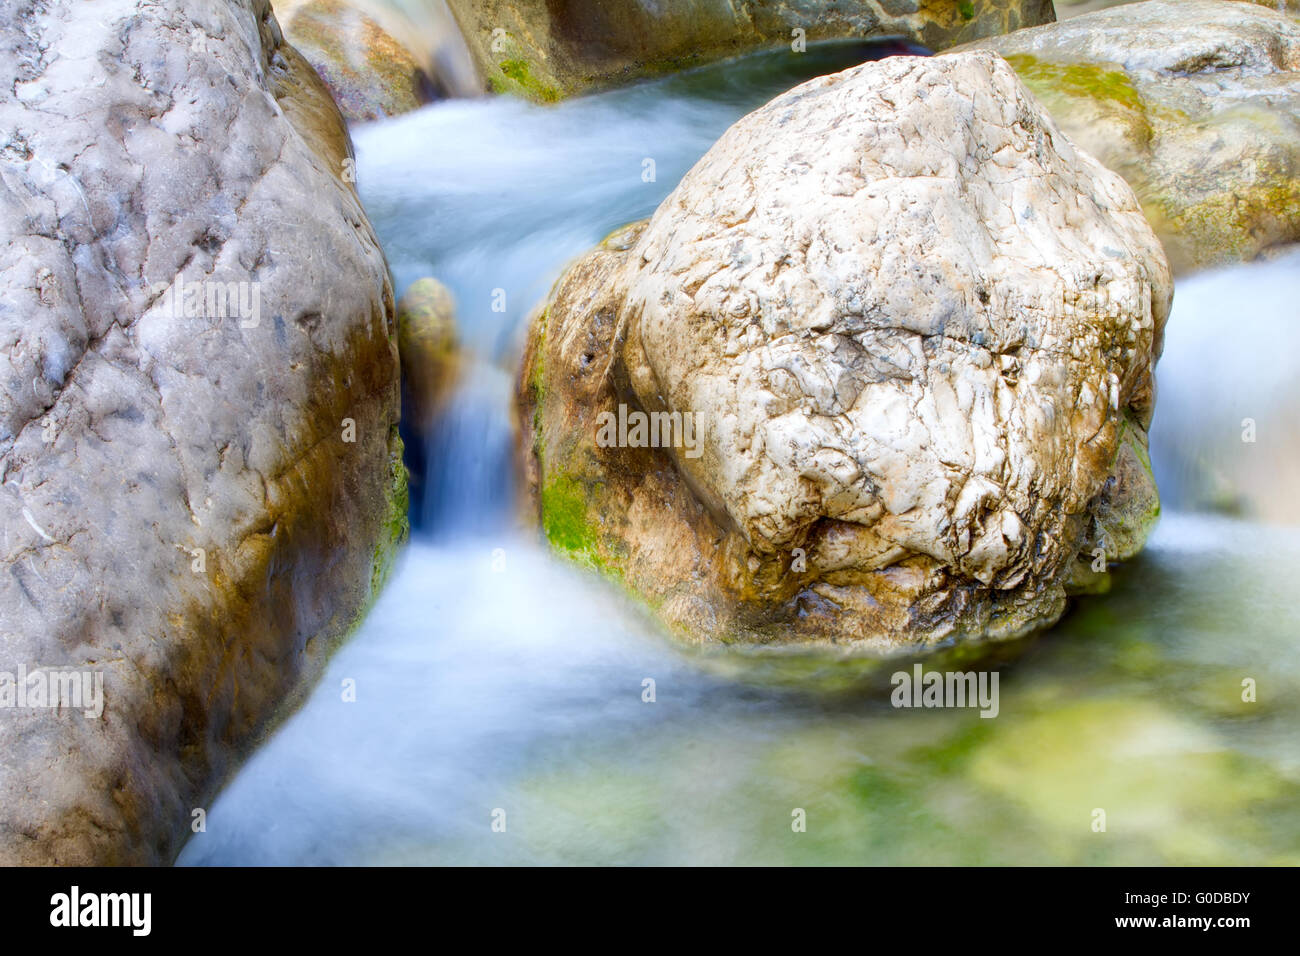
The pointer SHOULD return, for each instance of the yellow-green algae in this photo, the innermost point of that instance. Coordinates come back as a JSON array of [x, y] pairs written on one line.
[[1094, 81]]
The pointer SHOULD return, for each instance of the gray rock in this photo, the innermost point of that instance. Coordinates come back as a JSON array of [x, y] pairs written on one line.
[[181, 511]]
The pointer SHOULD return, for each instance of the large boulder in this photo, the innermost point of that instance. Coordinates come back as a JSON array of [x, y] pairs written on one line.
[[546, 50], [202, 484], [1195, 102], [898, 334]]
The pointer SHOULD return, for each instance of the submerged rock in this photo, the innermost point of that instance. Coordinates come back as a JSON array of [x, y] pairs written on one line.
[[1195, 102], [369, 73], [546, 51], [898, 336], [202, 483]]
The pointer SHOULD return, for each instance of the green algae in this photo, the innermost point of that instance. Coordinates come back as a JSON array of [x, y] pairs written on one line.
[[564, 516], [1099, 82], [516, 77]]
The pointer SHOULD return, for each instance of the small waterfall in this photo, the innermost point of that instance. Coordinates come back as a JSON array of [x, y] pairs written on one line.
[[468, 469], [1225, 435]]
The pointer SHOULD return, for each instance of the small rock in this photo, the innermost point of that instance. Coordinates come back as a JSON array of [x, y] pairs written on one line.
[[426, 330]]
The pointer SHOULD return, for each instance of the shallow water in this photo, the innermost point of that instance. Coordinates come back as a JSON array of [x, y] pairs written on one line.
[[491, 676]]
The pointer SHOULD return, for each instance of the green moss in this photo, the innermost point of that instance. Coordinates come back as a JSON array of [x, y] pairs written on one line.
[[1083, 80], [537, 377], [566, 507], [564, 516], [967, 10], [516, 70], [396, 525], [516, 76], [537, 385]]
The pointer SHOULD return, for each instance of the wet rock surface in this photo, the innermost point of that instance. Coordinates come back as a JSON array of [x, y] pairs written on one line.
[[913, 329], [369, 72], [1195, 102], [200, 476], [546, 51]]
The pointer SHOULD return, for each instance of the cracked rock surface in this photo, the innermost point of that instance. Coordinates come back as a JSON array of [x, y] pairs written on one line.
[[1195, 102], [179, 507], [916, 330]]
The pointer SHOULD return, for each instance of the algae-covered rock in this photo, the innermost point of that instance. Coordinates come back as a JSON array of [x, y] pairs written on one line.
[[369, 73], [1124, 770], [893, 339], [202, 485], [1195, 102], [546, 51]]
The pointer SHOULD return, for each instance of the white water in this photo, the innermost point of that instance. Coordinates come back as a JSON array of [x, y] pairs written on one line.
[[1232, 348]]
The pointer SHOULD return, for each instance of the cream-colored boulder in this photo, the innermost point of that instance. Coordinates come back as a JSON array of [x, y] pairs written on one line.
[[1195, 102], [899, 335]]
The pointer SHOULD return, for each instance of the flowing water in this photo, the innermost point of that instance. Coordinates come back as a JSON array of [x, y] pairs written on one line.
[[495, 682]]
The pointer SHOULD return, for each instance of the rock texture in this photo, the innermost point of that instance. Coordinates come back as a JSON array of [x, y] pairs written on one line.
[[1195, 102], [183, 511], [915, 328], [547, 50], [368, 72]]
